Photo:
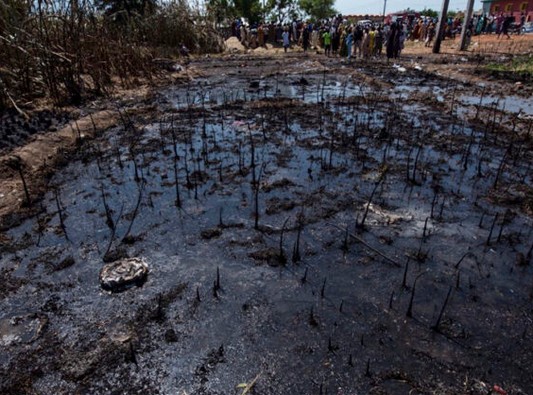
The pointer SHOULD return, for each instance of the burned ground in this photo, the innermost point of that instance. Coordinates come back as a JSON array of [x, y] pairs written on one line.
[[310, 226]]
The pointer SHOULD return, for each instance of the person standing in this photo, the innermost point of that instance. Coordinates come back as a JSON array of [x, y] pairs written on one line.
[[286, 39], [508, 20], [335, 40], [430, 34], [327, 42], [366, 44], [295, 31], [349, 43], [260, 36], [358, 41], [392, 41], [378, 45], [305, 38], [372, 41]]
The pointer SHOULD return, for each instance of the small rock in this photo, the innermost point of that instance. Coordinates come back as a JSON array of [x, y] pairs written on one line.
[[171, 336], [120, 275]]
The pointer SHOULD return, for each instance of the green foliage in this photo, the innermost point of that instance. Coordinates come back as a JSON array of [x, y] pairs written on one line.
[[318, 9], [283, 10], [249, 9], [429, 12], [451, 14], [522, 65], [221, 10]]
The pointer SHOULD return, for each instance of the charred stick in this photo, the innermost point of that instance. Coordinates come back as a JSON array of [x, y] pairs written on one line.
[[304, 278], [480, 225], [504, 221], [135, 211], [296, 251], [416, 162], [256, 189], [312, 319], [404, 280], [282, 258], [217, 282], [410, 308], [425, 228], [176, 159], [60, 213], [437, 324], [376, 186], [491, 229], [367, 370], [113, 231], [109, 217]]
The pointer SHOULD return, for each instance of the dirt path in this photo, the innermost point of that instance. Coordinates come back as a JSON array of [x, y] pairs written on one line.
[[38, 161]]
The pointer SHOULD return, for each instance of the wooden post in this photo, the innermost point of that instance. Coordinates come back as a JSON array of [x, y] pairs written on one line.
[[466, 22], [442, 24]]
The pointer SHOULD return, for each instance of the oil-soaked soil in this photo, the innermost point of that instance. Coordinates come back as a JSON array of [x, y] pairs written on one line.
[[16, 130], [310, 227]]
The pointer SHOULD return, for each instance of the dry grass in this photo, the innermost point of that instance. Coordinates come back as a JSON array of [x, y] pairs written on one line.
[[67, 50]]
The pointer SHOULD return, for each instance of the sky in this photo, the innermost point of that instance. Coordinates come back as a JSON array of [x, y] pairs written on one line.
[[348, 7]]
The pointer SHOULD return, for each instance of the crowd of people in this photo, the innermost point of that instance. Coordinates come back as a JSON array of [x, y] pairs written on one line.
[[338, 36]]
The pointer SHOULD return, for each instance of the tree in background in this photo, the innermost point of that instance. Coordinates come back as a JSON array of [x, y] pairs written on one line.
[[220, 10], [122, 10], [249, 9], [283, 10], [429, 12], [453, 14], [318, 9]]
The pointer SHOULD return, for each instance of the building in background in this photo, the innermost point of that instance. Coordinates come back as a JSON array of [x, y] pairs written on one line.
[[516, 8]]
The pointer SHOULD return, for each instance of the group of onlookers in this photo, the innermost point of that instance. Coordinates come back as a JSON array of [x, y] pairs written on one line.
[[340, 37], [501, 24], [336, 37]]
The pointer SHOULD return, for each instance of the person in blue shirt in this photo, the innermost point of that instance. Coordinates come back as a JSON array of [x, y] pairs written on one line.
[[349, 43]]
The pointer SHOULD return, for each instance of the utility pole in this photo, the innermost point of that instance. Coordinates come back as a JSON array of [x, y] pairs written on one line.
[[384, 8], [442, 24], [466, 23]]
